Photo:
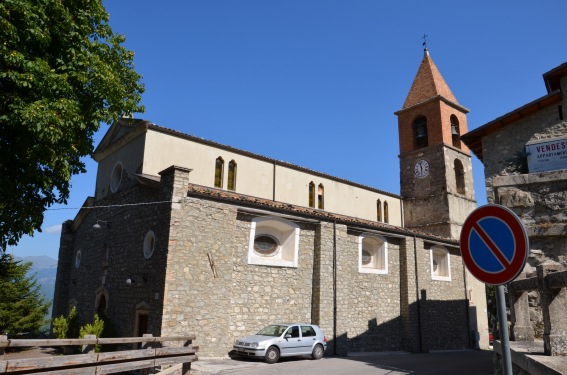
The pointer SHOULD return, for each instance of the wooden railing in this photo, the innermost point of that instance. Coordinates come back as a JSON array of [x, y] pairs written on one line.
[[551, 283], [151, 354]]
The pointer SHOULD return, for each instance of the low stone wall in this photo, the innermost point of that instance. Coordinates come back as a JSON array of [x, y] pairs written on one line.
[[528, 358]]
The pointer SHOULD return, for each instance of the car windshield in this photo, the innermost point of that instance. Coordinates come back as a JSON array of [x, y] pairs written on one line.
[[273, 330]]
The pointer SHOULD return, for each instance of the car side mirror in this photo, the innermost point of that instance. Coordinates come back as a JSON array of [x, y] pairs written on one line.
[[287, 336]]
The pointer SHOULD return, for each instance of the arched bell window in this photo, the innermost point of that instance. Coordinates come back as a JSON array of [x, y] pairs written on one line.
[[378, 210], [420, 132], [455, 132]]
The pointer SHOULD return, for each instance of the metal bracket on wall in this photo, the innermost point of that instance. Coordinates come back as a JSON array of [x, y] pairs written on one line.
[[213, 267]]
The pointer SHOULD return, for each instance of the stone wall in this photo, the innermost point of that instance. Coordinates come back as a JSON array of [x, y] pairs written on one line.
[[443, 305], [213, 292], [198, 279], [111, 255], [368, 305], [539, 199]]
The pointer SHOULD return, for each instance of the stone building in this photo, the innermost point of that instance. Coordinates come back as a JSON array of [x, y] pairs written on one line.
[[524, 153], [185, 235]]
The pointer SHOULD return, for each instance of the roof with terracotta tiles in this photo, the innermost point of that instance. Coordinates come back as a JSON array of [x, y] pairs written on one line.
[[312, 213], [428, 83]]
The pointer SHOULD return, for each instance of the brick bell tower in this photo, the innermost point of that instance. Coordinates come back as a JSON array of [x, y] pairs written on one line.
[[435, 166]]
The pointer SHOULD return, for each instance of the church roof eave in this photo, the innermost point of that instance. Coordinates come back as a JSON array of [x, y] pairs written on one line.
[[311, 213], [437, 97]]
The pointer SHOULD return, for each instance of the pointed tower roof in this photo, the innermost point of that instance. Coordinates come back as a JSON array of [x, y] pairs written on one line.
[[428, 83]]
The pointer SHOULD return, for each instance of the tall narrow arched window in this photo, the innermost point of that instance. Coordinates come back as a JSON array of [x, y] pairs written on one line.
[[321, 197], [378, 210], [459, 176], [219, 172], [386, 216], [311, 194], [232, 175], [420, 132], [455, 132]]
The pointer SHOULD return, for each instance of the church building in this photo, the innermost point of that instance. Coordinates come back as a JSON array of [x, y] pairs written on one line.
[[185, 235]]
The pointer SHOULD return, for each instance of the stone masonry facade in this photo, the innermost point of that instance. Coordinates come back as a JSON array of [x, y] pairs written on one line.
[[198, 279], [213, 292]]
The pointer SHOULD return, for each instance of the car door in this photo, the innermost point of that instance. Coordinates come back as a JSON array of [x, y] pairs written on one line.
[[308, 339], [291, 344]]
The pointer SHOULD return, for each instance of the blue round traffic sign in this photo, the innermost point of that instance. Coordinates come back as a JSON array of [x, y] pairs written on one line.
[[494, 244]]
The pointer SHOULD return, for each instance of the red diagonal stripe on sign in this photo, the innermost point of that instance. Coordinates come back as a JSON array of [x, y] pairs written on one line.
[[491, 245]]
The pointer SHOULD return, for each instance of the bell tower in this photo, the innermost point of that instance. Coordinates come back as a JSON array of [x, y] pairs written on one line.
[[435, 166]]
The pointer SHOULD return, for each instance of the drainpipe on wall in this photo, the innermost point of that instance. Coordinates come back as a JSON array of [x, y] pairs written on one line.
[[335, 287], [417, 293]]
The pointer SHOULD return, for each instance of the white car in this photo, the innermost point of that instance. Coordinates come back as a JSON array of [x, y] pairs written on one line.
[[283, 340]]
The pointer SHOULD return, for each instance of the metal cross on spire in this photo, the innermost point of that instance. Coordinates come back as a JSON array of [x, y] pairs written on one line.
[[424, 44]]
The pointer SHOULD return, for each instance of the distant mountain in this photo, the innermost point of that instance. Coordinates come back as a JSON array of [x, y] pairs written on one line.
[[41, 262]]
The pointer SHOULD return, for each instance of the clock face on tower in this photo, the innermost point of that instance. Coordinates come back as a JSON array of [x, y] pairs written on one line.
[[421, 168]]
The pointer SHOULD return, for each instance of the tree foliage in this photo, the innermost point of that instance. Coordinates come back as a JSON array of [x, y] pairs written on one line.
[[65, 327], [63, 72], [22, 306], [93, 329]]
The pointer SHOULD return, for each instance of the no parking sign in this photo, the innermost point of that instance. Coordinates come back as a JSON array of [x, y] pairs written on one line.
[[494, 244]]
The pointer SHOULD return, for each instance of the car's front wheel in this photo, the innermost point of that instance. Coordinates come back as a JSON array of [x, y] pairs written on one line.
[[272, 355], [317, 352]]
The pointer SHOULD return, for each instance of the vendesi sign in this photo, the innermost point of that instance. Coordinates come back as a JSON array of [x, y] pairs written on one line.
[[547, 154]]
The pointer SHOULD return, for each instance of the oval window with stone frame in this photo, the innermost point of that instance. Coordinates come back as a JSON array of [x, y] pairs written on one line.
[[149, 244], [78, 259], [266, 245]]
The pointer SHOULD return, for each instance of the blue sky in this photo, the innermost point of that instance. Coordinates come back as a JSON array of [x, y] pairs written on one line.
[[316, 82]]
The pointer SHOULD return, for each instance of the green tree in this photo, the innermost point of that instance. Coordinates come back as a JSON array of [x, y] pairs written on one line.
[[63, 72], [22, 306]]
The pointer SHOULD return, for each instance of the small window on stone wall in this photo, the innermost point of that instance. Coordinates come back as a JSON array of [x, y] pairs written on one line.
[[116, 177], [273, 242], [459, 176], [149, 244], [78, 259], [440, 263], [372, 254]]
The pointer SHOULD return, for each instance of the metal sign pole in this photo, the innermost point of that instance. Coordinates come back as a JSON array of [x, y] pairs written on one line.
[[503, 324]]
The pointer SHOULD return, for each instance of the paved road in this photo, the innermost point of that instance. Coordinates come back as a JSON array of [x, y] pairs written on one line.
[[441, 363]]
